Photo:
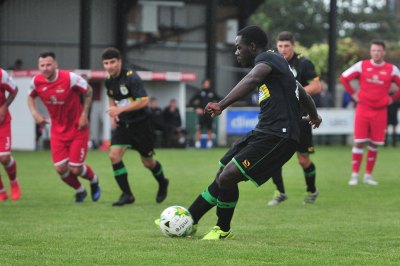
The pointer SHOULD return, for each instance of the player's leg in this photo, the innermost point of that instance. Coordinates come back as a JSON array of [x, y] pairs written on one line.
[[310, 176], [60, 152], [8, 162], [377, 138], [10, 166], [157, 170], [116, 154], [360, 138], [197, 135], [77, 155], [279, 195], [209, 126], [3, 192]]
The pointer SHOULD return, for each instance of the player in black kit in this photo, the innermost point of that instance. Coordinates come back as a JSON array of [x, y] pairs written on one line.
[[264, 150], [304, 72], [132, 123]]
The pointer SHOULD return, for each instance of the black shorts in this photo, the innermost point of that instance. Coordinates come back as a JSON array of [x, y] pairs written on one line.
[[258, 155], [138, 136], [306, 145], [205, 122]]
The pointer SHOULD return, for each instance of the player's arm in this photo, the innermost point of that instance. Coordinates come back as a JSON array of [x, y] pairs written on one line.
[[39, 118], [396, 79], [352, 73], [308, 104], [253, 79], [314, 87], [87, 101], [7, 103]]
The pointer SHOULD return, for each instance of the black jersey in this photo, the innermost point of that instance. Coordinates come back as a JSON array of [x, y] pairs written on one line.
[[302, 68], [203, 97], [278, 98], [126, 88]]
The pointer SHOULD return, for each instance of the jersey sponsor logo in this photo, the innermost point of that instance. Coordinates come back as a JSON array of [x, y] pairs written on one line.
[[263, 93], [53, 100], [246, 163], [123, 89], [375, 79], [44, 89]]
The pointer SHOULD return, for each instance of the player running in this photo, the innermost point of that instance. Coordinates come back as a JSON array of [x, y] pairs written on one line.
[[7, 86], [61, 91]]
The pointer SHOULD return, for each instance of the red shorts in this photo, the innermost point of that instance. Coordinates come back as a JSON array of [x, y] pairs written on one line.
[[370, 125], [5, 138], [72, 150]]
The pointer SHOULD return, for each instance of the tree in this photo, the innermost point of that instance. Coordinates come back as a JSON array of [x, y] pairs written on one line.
[[307, 19]]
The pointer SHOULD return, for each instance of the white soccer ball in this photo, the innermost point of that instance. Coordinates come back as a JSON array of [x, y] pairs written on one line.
[[176, 221]]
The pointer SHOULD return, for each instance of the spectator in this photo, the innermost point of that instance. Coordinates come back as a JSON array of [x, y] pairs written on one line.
[[173, 133], [198, 102]]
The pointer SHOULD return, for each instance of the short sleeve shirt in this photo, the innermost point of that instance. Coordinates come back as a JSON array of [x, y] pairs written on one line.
[[126, 88], [278, 98]]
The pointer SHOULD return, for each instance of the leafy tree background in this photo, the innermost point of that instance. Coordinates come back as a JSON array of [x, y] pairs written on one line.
[[358, 22]]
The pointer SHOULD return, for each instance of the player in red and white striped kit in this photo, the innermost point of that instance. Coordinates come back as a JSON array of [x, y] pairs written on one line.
[[61, 91], [375, 78], [7, 85]]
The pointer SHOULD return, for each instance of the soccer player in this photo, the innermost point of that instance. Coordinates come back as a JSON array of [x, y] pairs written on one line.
[[7, 86], [199, 101], [131, 119], [264, 150], [304, 72], [61, 92], [375, 78]]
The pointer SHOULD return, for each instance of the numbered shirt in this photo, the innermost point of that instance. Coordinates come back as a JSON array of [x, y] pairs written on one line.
[[125, 89], [62, 98], [7, 84], [278, 98]]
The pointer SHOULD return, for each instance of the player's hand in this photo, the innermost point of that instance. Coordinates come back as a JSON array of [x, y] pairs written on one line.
[[41, 120], [355, 97], [3, 113], [83, 122], [113, 111], [199, 111], [315, 122], [213, 109], [114, 122]]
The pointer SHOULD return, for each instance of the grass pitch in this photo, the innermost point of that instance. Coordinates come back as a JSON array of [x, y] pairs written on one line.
[[346, 226]]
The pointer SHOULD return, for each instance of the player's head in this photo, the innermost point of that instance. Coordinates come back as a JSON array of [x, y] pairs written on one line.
[[47, 64], [112, 61], [250, 41], [377, 51], [286, 44], [153, 102], [206, 83]]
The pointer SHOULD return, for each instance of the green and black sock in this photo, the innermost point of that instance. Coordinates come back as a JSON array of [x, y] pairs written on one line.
[[309, 174], [226, 204], [204, 202], [158, 173], [121, 176]]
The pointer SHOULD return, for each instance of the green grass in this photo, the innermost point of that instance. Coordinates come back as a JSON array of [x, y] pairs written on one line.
[[346, 226]]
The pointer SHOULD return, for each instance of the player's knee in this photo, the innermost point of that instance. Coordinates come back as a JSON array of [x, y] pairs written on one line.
[[304, 160], [225, 179], [149, 164], [76, 170], [5, 159], [114, 157]]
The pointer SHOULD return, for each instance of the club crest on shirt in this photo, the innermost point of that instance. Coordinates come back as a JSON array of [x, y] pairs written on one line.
[[123, 89]]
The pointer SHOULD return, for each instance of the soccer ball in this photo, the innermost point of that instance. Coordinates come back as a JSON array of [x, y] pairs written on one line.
[[176, 221]]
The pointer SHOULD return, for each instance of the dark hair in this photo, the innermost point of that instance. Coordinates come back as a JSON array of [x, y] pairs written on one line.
[[254, 34], [286, 36], [380, 43], [47, 54], [110, 53]]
